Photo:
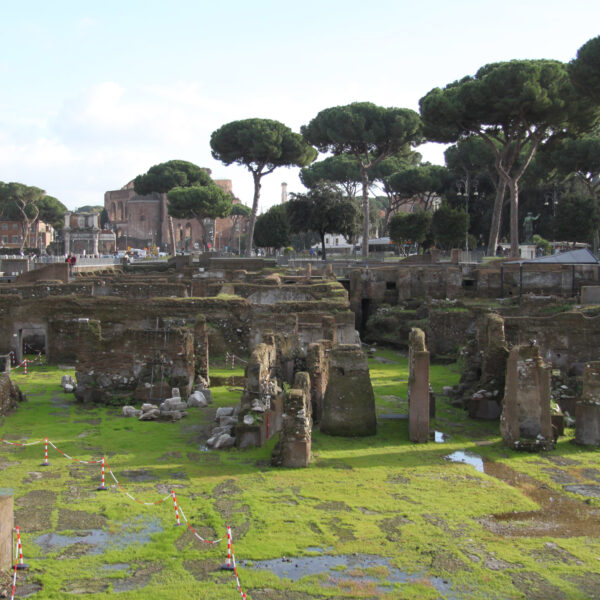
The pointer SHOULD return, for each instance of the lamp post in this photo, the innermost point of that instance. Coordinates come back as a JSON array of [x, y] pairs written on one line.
[[464, 187]]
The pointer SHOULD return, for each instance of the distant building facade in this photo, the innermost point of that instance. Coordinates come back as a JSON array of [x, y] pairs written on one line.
[[143, 221], [39, 235]]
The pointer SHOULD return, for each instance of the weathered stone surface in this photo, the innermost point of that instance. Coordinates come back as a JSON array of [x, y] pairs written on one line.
[[349, 402], [7, 521], [147, 406], [197, 399], [587, 410], [224, 441], [418, 388], [224, 411], [294, 445], [150, 415], [131, 411], [10, 395], [172, 415], [173, 404], [526, 422]]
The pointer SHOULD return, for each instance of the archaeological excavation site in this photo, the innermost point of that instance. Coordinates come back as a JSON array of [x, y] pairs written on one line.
[[212, 427]]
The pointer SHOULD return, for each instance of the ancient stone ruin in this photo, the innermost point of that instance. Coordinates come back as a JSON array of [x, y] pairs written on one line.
[[587, 410], [525, 422], [418, 387], [349, 402]]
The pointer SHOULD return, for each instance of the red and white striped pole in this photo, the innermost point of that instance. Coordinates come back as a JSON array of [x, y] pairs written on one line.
[[103, 487], [176, 508], [25, 368], [21, 566], [232, 362], [45, 463], [228, 566]]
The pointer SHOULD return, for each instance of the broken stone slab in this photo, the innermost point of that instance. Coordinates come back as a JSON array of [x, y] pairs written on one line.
[[172, 415], [173, 404], [225, 441], [147, 407], [68, 388], [131, 411], [220, 430], [175, 393], [150, 415], [67, 380], [227, 422], [224, 411], [197, 399]]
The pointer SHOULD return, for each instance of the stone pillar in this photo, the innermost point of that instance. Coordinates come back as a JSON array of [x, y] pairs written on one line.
[[587, 410], [96, 234], [7, 522], [260, 414], [349, 402], [526, 423], [418, 387], [293, 448], [318, 370]]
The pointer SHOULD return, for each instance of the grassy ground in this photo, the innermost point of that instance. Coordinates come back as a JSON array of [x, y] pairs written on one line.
[[395, 519]]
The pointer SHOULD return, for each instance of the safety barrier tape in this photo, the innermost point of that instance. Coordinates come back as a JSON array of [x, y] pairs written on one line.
[[133, 498], [85, 462], [195, 532], [21, 443], [230, 564]]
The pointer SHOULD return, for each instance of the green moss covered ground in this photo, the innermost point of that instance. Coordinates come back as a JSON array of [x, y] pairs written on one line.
[[437, 529]]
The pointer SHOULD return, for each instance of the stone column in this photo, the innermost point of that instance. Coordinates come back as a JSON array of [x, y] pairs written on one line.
[[587, 410], [293, 448], [96, 238], [526, 423], [349, 402], [7, 522], [418, 387]]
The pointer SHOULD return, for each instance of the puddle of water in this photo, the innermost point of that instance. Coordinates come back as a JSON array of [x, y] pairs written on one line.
[[468, 458], [439, 437], [6, 491], [132, 532], [304, 566], [116, 567]]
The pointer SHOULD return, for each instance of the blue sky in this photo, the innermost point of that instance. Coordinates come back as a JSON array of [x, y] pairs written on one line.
[[95, 93]]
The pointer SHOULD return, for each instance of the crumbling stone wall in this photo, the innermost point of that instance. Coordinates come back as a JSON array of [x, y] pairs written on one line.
[[114, 366], [525, 423], [418, 387], [349, 402]]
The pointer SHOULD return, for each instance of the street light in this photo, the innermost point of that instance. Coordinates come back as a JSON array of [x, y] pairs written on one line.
[[464, 187]]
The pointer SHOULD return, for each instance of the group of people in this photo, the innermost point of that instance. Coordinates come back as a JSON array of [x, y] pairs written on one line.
[[71, 259]]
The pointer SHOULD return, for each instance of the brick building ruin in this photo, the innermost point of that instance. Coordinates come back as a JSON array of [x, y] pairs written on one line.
[[143, 221]]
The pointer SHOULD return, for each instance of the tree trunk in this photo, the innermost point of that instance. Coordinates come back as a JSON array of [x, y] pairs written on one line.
[[256, 177], [172, 234], [496, 218], [513, 188], [323, 251], [365, 205]]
